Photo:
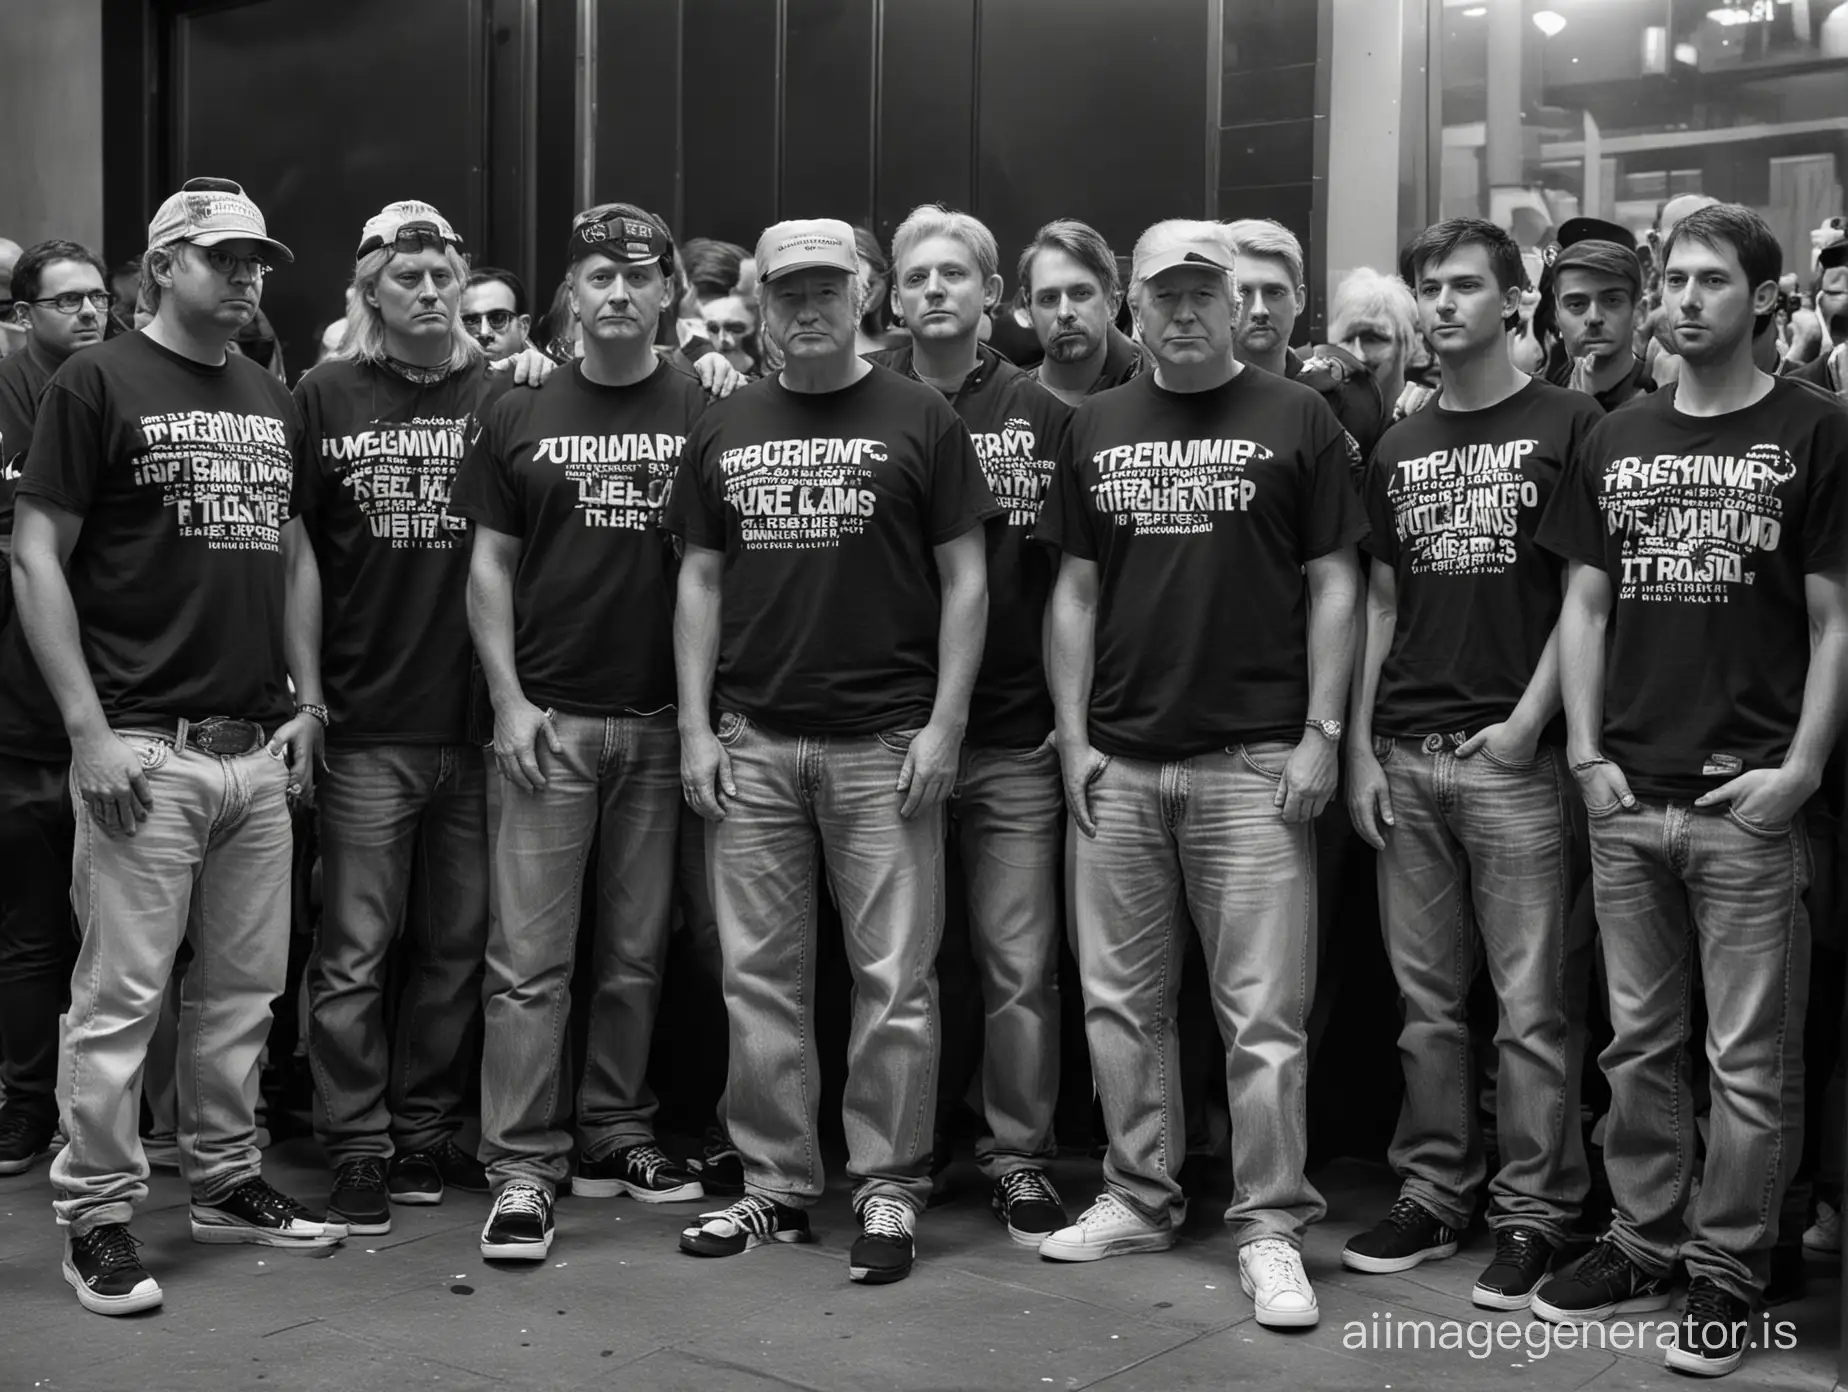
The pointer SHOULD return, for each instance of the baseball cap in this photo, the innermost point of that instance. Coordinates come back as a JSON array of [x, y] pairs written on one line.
[[634, 241], [1832, 257], [209, 211], [1152, 261], [411, 216], [801, 243], [1590, 229]]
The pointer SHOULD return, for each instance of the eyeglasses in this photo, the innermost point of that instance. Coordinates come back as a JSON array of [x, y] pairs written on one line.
[[72, 301], [411, 238], [499, 320], [227, 263]]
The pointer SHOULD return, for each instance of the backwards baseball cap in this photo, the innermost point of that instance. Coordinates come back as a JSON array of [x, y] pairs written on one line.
[[406, 225], [1592, 244], [1156, 254], [617, 232], [804, 243], [210, 211]]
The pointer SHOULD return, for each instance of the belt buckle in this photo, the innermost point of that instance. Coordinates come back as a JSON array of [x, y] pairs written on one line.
[[223, 736]]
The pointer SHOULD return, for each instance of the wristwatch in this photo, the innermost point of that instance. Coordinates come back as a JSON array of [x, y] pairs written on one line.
[[1331, 729]]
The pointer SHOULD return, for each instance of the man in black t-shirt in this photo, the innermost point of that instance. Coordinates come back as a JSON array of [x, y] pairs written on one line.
[[1007, 824], [1454, 775], [1072, 292], [832, 606], [1201, 633], [155, 522], [571, 606], [1703, 656], [401, 802], [65, 300], [1596, 281]]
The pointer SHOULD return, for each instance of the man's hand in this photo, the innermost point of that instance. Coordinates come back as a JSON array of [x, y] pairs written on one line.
[[1507, 741], [1308, 778], [1368, 797], [1603, 787], [718, 376], [111, 781], [529, 367], [1767, 798], [1412, 399], [1080, 765], [930, 767], [299, 743], [516, 743], [706, 774]]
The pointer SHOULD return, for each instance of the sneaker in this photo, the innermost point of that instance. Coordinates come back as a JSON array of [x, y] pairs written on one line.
[[720, 1167], [642, 1172], [1026, 1201], [1270, 1271], [883, 1252], [254, 1212], [1822, 1237], [1605, 1283], [360, 1199], [162, 1151], [25, 1138], [1523, 1256], [738, 1227], [1108, 1228], [104, 1270], [1409, 1234], [520, 1226], [459, 1168], [422, 1176], [1715, 1328]]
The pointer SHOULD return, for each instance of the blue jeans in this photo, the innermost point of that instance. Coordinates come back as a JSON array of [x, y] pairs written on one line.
[[1007, 828], [1481, 848], [403, 845], [1200, 838], [1680, 892], [38, 944], [806, 803], [617, 787], [211, 864]]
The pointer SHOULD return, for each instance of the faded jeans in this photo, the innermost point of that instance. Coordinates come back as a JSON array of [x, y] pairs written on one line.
[[1200, 838], [1479, 852], [617, 786], [211, 864], [1679, 888], [403, 844], [807, 803], [37, 942]]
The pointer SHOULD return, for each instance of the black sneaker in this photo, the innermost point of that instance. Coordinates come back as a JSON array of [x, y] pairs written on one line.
[[720, 1167], [459, 1169], [359, 1199], [25, 1138], [883, 1252], [1605, 1283], [1523, 1256], [642, 1172], [1714, 1332], [254, 1212], [422, 1176], [1026, 1201], [1409, 1233], [104, 1270], [520, 1226], [738, 1227]]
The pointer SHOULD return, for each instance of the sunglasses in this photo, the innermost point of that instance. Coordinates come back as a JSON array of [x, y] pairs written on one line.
[[499, 320], [226, 263], [71, 301], [411, 238]]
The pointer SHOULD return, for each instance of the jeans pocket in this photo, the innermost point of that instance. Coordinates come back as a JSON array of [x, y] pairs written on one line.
[[1267, 758], [1383, 747], [153, 753], [1599, 814], [1752, 828], [731, 726], [899, 741], [1509, 765]]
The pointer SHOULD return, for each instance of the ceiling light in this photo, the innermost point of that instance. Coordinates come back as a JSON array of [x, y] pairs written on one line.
[[1475, 12], [1687, 55], [1728, 16], [1549, 22]]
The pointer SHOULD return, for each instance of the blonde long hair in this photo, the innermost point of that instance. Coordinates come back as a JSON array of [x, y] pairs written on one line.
[[364, 337]]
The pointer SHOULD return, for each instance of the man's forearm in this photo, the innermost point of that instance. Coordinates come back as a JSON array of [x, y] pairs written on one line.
[[1825, 704], [1331, 638], [696, 652], [961, 632], [490, 624], [1580, 645], [1072, 649], [301, 631], [49, 617], [1542, 697], [1373, 643]]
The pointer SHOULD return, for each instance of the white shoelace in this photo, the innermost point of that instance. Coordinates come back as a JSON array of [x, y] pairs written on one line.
[[527, 1199], [749, 1214], [1108, 1209], [1278, 1266], [647, 1161], [886, 1218], [1029, 1186]]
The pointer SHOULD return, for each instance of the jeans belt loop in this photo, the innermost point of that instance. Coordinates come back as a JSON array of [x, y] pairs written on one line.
[[179, 735]]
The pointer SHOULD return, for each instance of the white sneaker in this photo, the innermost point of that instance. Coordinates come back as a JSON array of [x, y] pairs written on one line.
[[1270, 1271], [1824, 1236], [1108, 1228]]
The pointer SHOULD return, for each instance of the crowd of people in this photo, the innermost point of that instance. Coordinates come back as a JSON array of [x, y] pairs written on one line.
[[744, 593]]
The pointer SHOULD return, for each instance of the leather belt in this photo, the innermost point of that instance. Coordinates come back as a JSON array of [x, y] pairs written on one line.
[[222, 736]]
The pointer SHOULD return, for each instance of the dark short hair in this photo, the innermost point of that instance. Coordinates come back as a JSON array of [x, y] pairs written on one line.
[[712, 268], [484, 275], [1078, 240], [1442, 240], [29, 270], [1728, 225], [1602, 258]]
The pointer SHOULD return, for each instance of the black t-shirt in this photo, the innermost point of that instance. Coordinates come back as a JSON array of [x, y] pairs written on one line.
[[382, 457], [1201, 509], [22, 381], [1453, 501], [578, 472], [827, 506], [1706, 526], [30, 727], [184, 476], [1020, 431]]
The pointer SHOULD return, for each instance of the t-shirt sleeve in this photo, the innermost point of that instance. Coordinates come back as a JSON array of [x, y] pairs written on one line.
[[1572, 527], [695, 510], [69, 448], [1332, 512], [1382, 541], [484, 490], [1825, 511], [1067, 522], [959, 494], [309, 495]]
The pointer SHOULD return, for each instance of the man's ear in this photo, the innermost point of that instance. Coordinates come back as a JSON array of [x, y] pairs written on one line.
[[1764, 298], [525, 325], [991, 292]]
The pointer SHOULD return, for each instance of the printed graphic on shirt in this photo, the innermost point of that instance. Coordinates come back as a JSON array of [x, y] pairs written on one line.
[[1690, 523], [1457, 511], [622, 480], [400, 476], [1016, 475], [1174, 487], [225, 475], [795, 495]]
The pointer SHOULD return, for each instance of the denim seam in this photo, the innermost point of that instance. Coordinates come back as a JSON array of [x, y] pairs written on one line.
[[560, 998], [927, 953], [1768, 1194], [806, 947], [87, 831]]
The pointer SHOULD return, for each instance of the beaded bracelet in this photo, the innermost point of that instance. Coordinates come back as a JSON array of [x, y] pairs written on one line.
[[318, 711]]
